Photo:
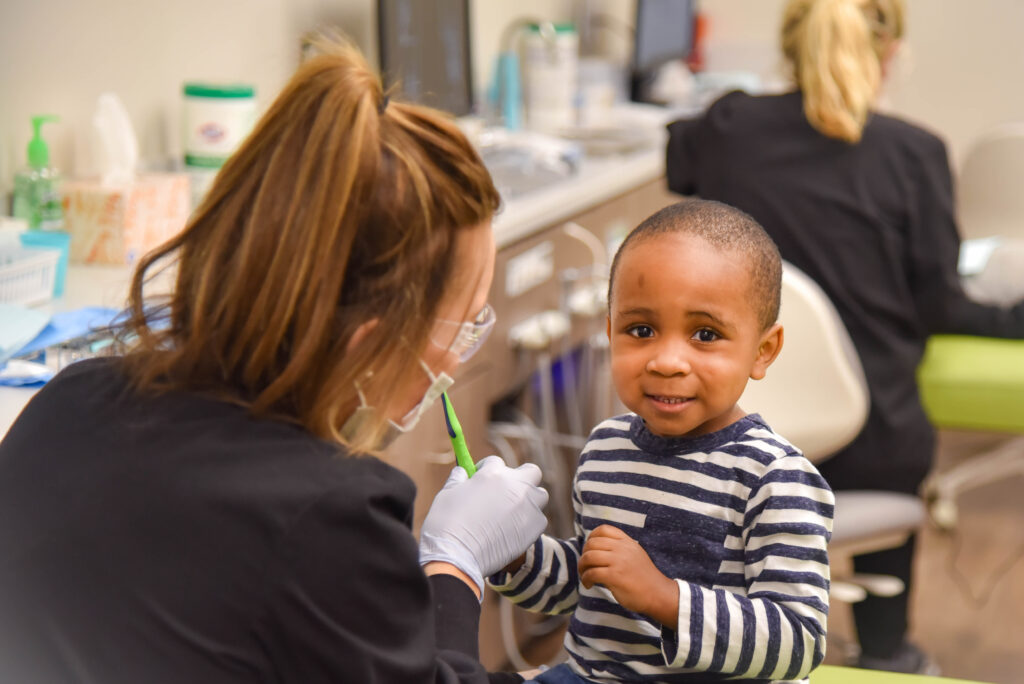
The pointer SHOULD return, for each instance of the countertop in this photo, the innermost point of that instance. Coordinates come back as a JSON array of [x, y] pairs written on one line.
[[598, 180]]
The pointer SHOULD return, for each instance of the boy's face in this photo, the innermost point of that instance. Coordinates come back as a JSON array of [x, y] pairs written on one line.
[[685, 335]]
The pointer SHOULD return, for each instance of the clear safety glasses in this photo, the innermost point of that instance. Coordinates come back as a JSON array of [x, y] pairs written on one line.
[[465, 338]]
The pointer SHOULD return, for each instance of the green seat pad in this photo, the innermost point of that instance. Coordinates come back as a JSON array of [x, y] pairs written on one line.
[[830, 674], [973, 383]]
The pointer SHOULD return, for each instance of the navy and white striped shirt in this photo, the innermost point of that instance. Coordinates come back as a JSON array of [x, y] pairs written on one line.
[[739, 518]]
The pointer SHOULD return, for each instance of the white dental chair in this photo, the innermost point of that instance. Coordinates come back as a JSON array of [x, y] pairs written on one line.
[[989, 193], [815, 395]]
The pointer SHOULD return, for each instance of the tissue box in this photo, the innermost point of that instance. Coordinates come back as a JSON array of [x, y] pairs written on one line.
[[117, 225]]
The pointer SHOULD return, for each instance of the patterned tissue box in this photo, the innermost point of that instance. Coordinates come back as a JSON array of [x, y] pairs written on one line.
[[117, 225]]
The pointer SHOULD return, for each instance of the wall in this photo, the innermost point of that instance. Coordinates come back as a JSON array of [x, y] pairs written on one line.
[[59, 55], [966, 67]]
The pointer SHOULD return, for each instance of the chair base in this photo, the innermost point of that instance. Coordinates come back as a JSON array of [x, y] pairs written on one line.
[[942, 489]]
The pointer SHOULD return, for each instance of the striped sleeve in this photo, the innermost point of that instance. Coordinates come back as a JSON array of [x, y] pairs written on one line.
[[549, 579], [777, 630]]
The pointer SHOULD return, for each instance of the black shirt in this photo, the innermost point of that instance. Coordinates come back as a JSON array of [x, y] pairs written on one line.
[[174, 538], [873, 223]]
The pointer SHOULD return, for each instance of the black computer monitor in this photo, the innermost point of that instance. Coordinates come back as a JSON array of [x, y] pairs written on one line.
[[424, 47], [664, 31]]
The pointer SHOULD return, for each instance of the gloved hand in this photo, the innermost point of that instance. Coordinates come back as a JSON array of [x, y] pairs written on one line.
[[481, 524]]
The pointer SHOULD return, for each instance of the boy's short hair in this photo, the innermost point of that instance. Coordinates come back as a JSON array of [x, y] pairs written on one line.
[[724, 227]]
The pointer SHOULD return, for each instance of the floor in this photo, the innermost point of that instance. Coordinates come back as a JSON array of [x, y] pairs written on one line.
[[968, 609]]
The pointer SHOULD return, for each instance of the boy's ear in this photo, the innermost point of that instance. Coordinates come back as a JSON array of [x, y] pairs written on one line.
[[767, 350], [608, 327]]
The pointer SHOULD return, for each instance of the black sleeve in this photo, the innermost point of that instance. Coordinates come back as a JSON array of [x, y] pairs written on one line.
[[457, 621], [934, 246], [349, 602], [681, 156]]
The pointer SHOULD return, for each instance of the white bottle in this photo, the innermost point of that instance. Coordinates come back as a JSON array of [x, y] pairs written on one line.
[[551, 61]]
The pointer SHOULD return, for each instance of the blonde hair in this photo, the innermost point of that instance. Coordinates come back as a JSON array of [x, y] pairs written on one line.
[[836, 48], [340, 208]]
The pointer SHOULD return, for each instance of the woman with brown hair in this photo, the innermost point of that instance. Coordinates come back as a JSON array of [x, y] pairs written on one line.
[[863, 203], [206, 507]]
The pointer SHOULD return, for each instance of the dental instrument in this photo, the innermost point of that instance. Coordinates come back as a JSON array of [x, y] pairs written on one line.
[[462, 456]]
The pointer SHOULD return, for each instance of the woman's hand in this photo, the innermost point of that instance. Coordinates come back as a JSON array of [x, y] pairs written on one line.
[[615, 560], [481, 524]]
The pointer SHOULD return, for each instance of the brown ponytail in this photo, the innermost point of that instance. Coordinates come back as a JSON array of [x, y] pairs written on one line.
[[338, 209]]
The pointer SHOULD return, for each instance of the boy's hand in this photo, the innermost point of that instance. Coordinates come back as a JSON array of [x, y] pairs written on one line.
[[615, 560], [512, 567]]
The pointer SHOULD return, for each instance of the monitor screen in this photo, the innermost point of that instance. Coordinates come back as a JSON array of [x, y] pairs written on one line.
[[424, 48], [664, 31]]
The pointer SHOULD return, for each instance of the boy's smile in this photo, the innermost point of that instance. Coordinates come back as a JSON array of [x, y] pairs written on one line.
[[684, 334]]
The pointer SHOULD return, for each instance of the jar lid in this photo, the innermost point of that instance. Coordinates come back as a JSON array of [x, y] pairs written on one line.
[[237, 90]]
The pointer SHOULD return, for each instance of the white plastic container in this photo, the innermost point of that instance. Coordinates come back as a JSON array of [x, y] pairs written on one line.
[[27, 276], [551, 72], [216, 120]]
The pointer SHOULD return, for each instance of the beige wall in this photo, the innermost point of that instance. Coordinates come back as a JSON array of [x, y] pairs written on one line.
[[59, 55], [966, 67]]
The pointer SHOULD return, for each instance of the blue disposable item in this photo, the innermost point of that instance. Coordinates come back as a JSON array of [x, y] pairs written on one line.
[[68, 325], [507, 91], [19, 373], [51, 239], [18, 326]]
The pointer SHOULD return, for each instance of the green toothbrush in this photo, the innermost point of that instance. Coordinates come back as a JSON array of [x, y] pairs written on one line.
[[462, 456]]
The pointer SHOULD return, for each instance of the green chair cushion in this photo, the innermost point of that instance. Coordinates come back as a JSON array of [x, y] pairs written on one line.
[[830, 674], [974, 383]]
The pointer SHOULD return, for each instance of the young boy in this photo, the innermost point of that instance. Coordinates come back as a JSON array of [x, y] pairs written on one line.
[[700, 547]]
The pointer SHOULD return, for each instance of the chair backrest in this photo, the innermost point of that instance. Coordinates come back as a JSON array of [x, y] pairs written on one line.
[[815, 394], [989, 191]]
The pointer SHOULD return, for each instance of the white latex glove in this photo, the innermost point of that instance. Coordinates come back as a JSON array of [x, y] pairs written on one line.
[[482, 523]]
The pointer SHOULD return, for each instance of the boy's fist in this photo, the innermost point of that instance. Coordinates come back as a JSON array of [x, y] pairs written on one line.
[[615, 560]]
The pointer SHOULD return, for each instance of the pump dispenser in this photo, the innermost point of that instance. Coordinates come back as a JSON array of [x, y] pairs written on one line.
[[36, 197]]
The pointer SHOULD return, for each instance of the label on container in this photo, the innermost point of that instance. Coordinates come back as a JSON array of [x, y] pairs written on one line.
[[214, 127]]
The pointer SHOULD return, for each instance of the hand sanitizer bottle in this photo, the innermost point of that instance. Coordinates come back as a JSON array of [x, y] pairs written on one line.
[[36, 196]]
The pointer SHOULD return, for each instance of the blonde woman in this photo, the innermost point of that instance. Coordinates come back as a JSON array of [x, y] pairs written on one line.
[[206, 507], [863, 203]]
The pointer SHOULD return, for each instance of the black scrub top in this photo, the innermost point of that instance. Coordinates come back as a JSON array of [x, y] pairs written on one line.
[[174, 538], [873, 223]]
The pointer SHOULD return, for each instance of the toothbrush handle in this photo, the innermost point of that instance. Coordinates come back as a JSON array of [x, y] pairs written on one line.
[[462, 456]]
